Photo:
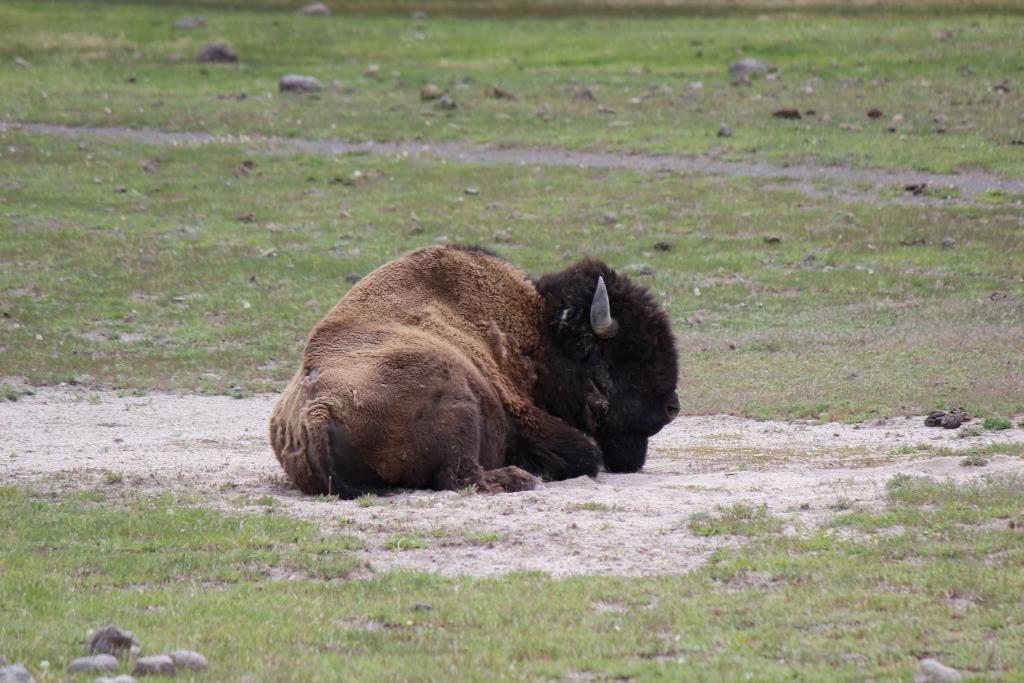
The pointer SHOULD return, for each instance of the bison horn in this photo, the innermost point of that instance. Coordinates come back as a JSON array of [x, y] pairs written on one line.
[[601, 320]]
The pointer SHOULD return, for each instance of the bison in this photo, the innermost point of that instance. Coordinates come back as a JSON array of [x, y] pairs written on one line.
[[449, 368]]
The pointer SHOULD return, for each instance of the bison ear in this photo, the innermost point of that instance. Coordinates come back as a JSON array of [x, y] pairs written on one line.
[[601, 320]]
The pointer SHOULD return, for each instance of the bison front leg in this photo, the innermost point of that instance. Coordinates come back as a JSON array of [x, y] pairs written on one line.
[[551, 449]]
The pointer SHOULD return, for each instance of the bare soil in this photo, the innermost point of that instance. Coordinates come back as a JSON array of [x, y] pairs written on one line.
[[216, 447], [812, 180]]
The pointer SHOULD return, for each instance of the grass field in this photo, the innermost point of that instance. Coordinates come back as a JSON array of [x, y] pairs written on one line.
[[144, 266], [660, 82], [265, 597]]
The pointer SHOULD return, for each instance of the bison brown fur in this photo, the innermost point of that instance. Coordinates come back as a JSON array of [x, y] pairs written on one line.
[[450, 368]]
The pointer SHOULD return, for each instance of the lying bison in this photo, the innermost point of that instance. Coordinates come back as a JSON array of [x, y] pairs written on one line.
[[449, 368]]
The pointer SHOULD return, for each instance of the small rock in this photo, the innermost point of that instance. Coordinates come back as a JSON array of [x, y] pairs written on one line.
[[610, 218], [472, 191], [95, 664], [352, 278], [948, 242], [86, 378], [502, 236], [372, 71], [772, 239], [748, 66], [430, 92], [190, 22], [933, 671], [156, 664], [725, 132], [217, 52], [123, 678], [810, 257], [15, 673], [787, 114], [441, 239], [874, 113], [997, 296], [422, 607], [316, 9], [296, 83], [247, 217], [849, 126], [21, 61], [662, 246], [445, 102], [583, 95], [643, 269], [189, 659], [111, 640], [498, 93]]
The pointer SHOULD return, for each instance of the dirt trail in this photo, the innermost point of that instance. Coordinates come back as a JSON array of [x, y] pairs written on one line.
[[807, 178], [634, 524]]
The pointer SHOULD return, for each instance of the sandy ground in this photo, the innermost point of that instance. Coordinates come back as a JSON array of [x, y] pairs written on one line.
[[810, 179], [67, 437]]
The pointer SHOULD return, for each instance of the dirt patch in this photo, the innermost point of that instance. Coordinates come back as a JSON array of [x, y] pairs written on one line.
[[812, 180], [629, 524]]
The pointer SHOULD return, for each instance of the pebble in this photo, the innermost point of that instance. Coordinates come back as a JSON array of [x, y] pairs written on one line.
[[372, 71], [353, 278], [190, 22], [725, 132], [445, 102], [103, 663], [948, 242], [217, 52], [316, 9], [296, 83], [502, 236], [189, 659], [110, 640], [934, 671], [749, 66], [155, 664], [15, 673], [123, 678], [430, 92]]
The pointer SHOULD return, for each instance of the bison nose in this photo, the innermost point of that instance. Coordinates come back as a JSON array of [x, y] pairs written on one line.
[[672, 407]]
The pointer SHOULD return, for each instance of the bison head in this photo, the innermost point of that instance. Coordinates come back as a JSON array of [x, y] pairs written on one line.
[[610, 366]]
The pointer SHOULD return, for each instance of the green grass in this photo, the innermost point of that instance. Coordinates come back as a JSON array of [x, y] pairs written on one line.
[[933, 573], [163, 287], [740, 519], [125, 65], [996, 422]]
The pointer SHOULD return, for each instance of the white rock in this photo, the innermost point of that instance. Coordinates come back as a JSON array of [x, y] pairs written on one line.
[[189, 659], [934, 671]]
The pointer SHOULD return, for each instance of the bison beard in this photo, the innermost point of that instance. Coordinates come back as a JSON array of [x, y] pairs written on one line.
[[449, 368]]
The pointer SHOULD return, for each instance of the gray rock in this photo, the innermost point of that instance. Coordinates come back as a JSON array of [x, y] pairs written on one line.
[[95, 664], [502, 236], [351, 278], [610, 218], [748, 66], [190, 22], [316, 9], [296, 83], [725, 132], [189, 659], [217, 52], [445, 102], [111, 640], [123, 678], [948, 242], [155, 664], [430, 92], [14, 673], [640, 268], [933, 671]]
